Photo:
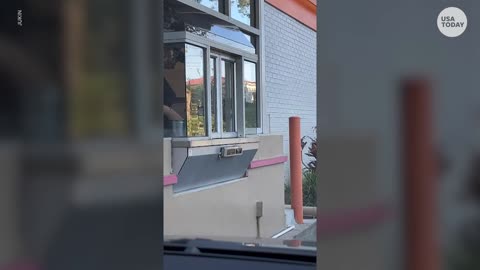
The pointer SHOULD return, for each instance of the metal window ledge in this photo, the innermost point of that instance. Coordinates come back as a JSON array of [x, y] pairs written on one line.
[[189, 143]]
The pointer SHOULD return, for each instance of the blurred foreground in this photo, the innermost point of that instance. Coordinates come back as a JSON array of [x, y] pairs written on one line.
[[80, 148]]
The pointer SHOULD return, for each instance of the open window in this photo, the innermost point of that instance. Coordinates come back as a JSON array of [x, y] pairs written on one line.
[[252, 116], [223, 96]]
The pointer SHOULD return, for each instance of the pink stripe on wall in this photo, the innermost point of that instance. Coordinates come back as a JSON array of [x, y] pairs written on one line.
[[170, 179], [346, 221], [267, 162]]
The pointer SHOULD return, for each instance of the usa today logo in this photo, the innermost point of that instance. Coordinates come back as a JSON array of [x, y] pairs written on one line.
[[452, 22]]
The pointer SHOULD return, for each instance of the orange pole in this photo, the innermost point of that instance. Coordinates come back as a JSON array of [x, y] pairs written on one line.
[[422, 250], [296, 168]]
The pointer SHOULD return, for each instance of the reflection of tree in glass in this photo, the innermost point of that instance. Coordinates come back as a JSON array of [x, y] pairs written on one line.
[[196, 30], [195, 113], [173, 56], [243, 7]]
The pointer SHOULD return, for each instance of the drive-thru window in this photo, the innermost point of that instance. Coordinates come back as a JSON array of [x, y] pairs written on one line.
[[218, 40]]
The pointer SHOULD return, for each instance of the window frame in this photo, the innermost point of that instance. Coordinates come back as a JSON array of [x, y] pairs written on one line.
[[242, 131], [256, 130], [253, 29], [220, 134], [205, 66], [206, 84], [256, 32], [209, 90]]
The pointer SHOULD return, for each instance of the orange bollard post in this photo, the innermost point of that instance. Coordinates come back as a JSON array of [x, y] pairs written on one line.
[[296, 168], [420, 172]]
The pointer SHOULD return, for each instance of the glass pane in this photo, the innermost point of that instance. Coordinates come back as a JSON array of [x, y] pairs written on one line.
[[252, 41], [195, 94], [250, 92], [213, 4], [228, 100], [174, 113], [242, 10], [213, 83], [232, 37]]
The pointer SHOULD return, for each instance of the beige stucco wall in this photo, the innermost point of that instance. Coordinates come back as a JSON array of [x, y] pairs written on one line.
[[224, 210], [228, 209]]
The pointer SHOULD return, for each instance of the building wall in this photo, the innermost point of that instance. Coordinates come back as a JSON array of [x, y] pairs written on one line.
[[290, 73], [228, 209]]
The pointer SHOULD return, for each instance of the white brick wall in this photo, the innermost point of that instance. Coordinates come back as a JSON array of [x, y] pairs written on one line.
[[290, 73]]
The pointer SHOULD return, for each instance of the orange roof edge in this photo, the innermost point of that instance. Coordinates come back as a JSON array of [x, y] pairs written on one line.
[[304, 11]]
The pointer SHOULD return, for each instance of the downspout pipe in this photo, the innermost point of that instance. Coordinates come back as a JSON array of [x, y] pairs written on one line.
[[296, 168], [420, 176]]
